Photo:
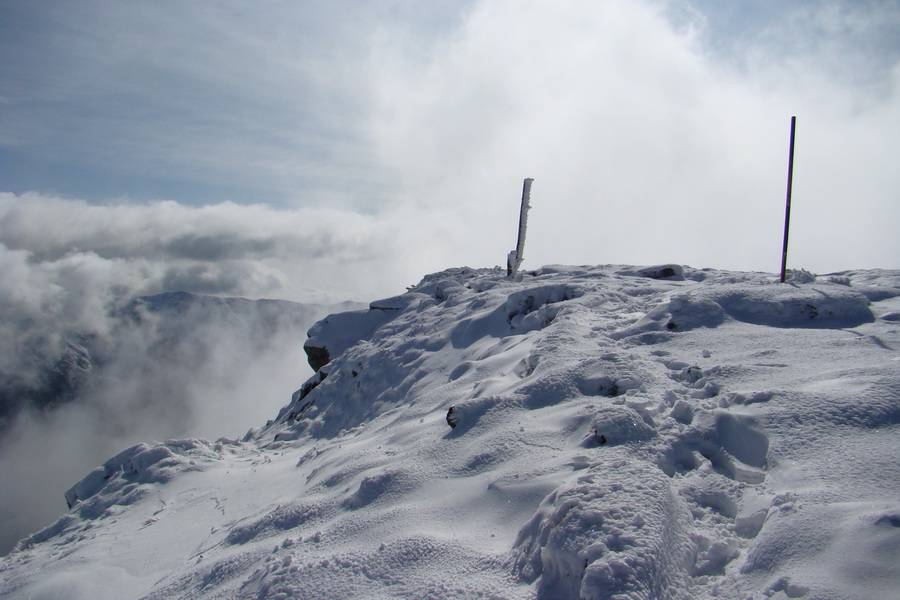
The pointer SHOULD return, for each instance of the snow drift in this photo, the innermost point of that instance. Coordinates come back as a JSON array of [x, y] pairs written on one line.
[[659, 432]]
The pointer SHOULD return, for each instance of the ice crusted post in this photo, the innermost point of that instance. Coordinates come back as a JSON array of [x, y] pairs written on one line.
[[514, 259]]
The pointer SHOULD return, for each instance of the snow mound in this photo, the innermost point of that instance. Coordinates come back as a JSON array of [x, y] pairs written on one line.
[[616, 425], [534, 308], [818, 305], [790, 306], [140, 464], [618, 531]]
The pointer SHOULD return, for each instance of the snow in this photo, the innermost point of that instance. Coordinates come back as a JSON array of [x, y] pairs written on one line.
[[622, 432], [175, 364]]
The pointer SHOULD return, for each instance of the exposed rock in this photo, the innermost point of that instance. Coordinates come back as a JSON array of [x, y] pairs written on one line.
[[453, 417], [317, 357]]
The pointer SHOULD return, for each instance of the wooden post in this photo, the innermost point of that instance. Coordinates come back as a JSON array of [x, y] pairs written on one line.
[[787, 208], [515, 257]]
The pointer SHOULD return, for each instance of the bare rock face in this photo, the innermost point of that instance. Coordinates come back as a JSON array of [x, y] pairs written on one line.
[[316, 356], [334, 334], [331, 336], [52, 382]]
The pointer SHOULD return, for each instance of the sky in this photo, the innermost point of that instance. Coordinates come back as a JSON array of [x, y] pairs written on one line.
[[331, 151]]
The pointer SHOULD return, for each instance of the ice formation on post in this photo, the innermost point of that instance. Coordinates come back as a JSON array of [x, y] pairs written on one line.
[[514, 260]]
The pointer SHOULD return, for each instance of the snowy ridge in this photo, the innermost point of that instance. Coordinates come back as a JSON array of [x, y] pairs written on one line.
[[175, 364], [659, 432]]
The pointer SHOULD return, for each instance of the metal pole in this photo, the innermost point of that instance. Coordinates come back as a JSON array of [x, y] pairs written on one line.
[[787, 208]]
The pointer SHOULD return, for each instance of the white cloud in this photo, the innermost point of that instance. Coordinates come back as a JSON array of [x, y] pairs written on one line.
[[648, 141], [228, 249], [64, 285], [644, 147], [667, 118]]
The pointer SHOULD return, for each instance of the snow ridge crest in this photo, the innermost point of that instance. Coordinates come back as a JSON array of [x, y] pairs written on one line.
[[620, 432]]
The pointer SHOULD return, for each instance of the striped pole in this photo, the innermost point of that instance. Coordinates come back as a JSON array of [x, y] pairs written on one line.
[[787, 208]]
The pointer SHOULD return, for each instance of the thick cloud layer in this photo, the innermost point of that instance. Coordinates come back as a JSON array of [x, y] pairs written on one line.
[[207, 384], [631, 117], [253, 251], [419, 122], [84, 372]]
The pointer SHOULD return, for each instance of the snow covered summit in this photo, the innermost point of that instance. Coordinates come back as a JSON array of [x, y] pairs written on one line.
[[618, 432]]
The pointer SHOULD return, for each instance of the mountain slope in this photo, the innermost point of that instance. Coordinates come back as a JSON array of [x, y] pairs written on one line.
[[172, 364], [619, 433]]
